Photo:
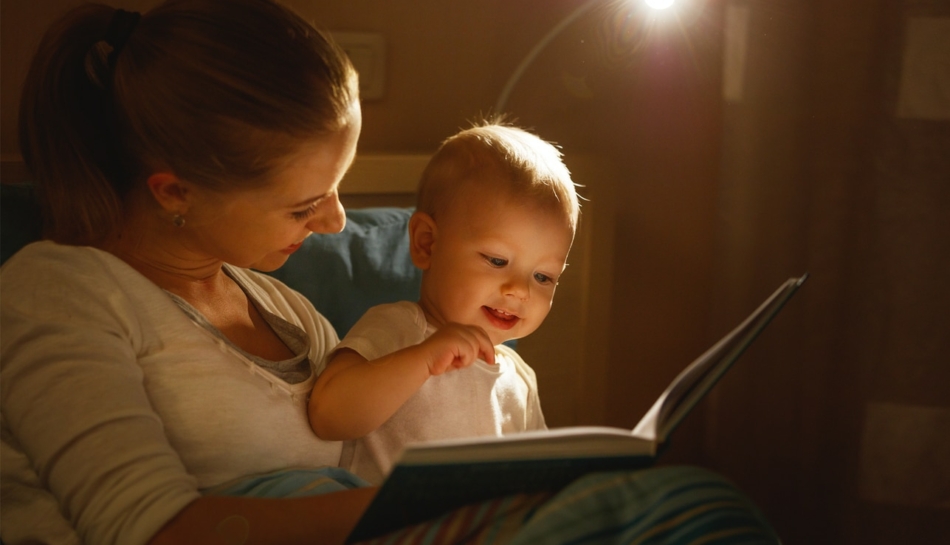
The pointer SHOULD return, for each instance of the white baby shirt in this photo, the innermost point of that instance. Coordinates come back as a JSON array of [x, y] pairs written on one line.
[[479, 400]]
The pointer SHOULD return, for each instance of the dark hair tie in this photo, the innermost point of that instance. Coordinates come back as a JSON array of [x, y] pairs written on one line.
[[121, 27]]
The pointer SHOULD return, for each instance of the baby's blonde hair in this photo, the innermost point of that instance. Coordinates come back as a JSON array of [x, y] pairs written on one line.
[[512, 159]]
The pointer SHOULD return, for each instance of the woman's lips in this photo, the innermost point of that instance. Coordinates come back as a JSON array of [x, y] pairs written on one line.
[[292, 248], [500, 318]]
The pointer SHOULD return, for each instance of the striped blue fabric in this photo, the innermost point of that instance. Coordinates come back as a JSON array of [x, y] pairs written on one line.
[[679, 505], [672, 505], [290, 483], [664, 505]]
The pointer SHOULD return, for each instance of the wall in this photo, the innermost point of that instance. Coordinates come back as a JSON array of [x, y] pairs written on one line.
[[838, 421], [447, 61]]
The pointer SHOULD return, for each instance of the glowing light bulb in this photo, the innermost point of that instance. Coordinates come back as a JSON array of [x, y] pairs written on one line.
[[659, 4]]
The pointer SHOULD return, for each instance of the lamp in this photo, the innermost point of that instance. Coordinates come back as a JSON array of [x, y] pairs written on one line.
[[502, 101]]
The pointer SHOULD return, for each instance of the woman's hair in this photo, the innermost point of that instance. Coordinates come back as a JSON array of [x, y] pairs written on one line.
[[507, 159], [219, 92]]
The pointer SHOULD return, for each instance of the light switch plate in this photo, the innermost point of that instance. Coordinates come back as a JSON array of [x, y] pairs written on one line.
[[925, 74], [367, 52]]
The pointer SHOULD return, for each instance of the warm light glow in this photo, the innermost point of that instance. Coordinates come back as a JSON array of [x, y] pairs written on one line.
[[659, 14], [659, 4]]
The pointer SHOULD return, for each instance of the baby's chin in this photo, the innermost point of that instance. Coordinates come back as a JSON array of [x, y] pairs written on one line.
[[497, 339]]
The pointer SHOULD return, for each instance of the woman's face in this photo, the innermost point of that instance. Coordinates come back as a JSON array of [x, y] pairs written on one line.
[[260, 228]]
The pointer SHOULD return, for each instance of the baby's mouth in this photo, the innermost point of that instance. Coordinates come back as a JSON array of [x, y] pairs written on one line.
[[500, 318]]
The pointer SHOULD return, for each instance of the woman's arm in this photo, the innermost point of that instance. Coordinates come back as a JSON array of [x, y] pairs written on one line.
[[314, 520], [354, 396], [73, 399], [80, 341]]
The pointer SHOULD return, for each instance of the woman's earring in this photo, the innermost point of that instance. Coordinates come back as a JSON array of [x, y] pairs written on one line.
[[178, 220]]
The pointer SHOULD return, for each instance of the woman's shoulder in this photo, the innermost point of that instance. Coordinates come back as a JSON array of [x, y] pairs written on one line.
[[45, 250], [46, 262], [57, 279], [78, 292]]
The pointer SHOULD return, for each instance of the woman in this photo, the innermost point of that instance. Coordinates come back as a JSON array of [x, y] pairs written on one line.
[[142, 360]]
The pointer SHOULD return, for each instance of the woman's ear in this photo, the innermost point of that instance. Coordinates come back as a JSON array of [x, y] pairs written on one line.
[[169, 191], [422, 235]]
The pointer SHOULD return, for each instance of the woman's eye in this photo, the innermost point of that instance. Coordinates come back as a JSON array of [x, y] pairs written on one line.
[[305, 214], [495, 261]]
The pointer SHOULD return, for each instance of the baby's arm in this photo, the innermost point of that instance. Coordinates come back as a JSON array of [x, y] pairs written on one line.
[[354, 396]]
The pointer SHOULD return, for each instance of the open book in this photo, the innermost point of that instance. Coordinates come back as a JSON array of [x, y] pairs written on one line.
[[434, 478]]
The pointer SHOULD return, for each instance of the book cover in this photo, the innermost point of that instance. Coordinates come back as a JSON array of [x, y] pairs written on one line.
[[436, 477]]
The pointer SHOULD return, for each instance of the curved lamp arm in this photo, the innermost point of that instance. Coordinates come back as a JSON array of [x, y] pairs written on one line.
[[538, 47], [535, 51]]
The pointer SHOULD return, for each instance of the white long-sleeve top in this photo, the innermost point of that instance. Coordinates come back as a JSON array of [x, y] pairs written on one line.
[[117, 408]]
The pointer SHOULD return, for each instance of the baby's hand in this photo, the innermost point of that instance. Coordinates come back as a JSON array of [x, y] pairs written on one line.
[[455, 346]]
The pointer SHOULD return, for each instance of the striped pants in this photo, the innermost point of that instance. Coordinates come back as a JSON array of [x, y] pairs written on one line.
[[680, 505]]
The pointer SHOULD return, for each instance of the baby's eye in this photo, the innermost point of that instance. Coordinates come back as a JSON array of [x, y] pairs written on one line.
[[542, 278], [495, 261]]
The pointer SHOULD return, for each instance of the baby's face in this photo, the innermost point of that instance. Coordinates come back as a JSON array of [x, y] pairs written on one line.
[[495, 263]]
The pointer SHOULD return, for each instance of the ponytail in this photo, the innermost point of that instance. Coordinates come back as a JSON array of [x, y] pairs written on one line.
[[67, 130]]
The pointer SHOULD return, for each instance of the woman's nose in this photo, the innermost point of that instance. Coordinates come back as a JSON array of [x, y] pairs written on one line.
[[332, 218]]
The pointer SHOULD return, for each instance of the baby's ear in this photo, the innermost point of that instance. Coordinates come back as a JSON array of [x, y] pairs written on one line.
[[422, 233]]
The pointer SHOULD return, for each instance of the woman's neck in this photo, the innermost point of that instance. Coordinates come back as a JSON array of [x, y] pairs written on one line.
[[158, 253]]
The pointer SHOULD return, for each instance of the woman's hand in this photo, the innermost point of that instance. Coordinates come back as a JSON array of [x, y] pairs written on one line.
[[324, 519]]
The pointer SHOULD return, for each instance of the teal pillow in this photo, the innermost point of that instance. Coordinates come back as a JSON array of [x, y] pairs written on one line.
[[367, 264]]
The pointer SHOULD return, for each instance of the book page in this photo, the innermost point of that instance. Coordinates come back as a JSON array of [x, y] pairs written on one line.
[[692, 384], [555, 443]]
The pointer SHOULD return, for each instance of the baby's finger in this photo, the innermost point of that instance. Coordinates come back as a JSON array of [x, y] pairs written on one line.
[[486, 350]]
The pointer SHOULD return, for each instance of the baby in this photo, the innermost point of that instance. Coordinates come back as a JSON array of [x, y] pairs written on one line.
[[494, 222]]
